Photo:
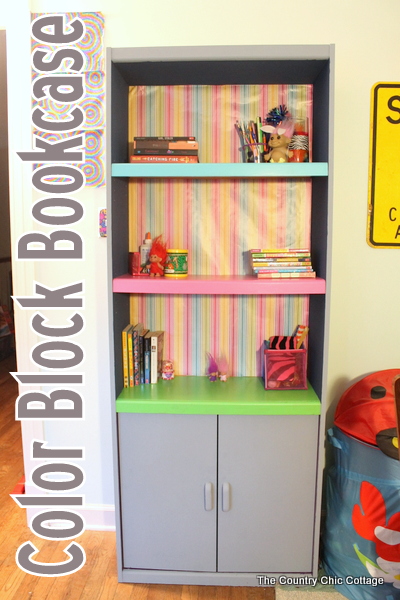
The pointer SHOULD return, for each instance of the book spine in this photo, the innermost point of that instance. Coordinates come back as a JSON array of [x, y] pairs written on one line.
[[280, 250], [125, 358], [282, 261], [159, 145], [135, 342], [160, 353], [285, 275], [284, 265], [288, 270], [286, 255], [153, 359], [146, 355], [163, 159], [141, 359], [162, 138], [130, 359], [165, 152]]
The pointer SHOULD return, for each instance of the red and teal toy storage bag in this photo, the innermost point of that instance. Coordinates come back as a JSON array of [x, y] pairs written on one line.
[[361, 541]]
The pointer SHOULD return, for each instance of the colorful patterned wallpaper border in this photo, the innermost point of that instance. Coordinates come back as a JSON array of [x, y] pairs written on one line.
[[93, 102]]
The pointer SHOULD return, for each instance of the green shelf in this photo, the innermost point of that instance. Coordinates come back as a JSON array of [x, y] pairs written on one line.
[[197, 395]]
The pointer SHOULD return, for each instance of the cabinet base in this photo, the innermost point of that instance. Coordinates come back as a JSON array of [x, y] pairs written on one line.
[[193, 578]]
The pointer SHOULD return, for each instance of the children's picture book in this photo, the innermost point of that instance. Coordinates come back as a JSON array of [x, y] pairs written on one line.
[[141, 354], [147, 357], [136, 331], [157, 346], [281, 263], [130, 357], [125, 354]]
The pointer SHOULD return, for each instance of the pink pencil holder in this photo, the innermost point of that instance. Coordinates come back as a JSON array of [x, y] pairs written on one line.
[[285, 369]]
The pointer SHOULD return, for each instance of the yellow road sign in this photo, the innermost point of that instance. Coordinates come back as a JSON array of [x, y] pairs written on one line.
[[384, 167]]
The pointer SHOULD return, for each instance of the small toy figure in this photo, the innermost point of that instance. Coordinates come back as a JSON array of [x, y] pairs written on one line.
[[157, 257], [167, 371], [223, 368], [279, 141], [212, 370]]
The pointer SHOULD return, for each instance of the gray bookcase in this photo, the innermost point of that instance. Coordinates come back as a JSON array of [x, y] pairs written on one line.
[[214, 493]]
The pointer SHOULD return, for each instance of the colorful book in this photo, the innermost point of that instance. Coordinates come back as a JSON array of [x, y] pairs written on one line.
[[135, 350], [157, 345], [130, 357], [282, 269], [165, 145], [141, 354], [147, 158], [288, 275], [125, 355], [280, 250], [161, 138], [165, 152], [266, 260], [279, 263], [284, 255], [147, 357]]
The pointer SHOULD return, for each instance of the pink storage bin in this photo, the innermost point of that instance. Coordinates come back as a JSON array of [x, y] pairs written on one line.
[[285, 369]]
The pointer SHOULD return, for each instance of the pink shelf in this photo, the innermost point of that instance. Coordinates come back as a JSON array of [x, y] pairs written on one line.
[[216, 284]]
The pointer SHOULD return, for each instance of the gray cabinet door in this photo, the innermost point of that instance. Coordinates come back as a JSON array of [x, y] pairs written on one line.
[[168, 491], [267, 473]]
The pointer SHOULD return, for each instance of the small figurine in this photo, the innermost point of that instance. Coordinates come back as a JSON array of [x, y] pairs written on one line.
[[167, 371], [212, 370], [279, 141], [223, 368], [157, 257]]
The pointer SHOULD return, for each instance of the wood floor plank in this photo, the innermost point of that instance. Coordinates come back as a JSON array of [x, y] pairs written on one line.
[[71, 587], [94, 588], [33, 586], [131, 591]]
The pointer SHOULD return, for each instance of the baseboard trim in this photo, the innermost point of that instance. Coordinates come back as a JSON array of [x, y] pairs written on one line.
[[97, 517]]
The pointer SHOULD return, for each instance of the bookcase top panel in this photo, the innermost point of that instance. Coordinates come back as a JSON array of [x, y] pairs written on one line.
[[215, 65]]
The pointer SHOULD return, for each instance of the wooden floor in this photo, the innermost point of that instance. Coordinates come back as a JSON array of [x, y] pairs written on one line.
[[97, 580]]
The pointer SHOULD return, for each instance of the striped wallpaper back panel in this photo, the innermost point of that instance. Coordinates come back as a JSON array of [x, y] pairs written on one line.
[[218, 221]]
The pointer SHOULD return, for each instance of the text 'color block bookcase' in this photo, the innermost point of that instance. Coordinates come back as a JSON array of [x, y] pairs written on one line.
[[217, 483]]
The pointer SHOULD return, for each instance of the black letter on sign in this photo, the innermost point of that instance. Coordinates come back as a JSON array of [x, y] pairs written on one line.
[[395, 108]]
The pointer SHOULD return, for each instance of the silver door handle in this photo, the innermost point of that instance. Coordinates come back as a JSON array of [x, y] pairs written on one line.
[[226, 496], [208, 496]]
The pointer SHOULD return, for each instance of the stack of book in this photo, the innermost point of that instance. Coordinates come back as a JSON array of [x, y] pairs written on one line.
[[165, 150], [281, 263], [142, 355]]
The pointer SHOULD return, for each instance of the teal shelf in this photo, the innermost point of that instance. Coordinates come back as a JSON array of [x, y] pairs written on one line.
[[221, 170], [197, 395]]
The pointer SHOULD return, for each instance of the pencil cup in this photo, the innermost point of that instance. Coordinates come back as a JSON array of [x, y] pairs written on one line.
[[285, 369], [253, 153], [299, 146], [176, 266]]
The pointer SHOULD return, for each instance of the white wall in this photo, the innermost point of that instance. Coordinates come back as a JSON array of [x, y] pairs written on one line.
[[4, 210], [94, 433], [5, 249], [365, 323]]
